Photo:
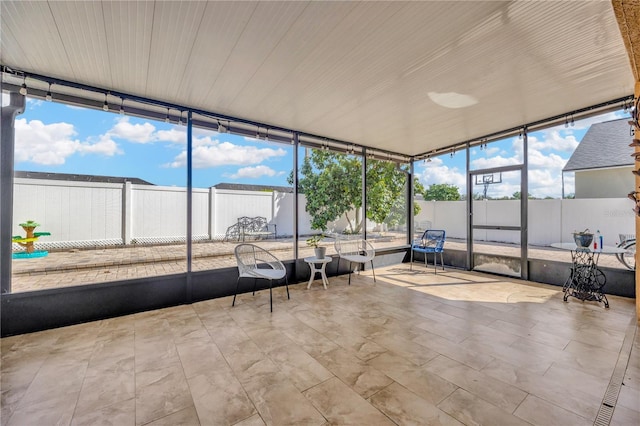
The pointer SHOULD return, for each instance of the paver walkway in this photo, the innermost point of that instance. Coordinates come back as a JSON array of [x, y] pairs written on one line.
[[76, 267]]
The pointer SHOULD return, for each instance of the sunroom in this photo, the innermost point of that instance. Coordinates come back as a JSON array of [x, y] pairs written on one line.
[[318, 117]]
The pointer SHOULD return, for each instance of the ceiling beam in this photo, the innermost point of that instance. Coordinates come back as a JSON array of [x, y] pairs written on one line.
[[628, 17]]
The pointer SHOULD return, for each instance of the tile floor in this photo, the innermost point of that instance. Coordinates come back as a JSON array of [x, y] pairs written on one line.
[[414, 348]]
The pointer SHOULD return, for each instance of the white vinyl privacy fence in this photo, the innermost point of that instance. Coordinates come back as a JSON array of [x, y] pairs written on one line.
[[550, 221], [84, 214], [81, 214]]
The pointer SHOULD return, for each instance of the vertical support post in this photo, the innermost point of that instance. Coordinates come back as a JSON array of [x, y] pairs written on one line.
[[637, 182], [524, 208], [8, 114], [189, 201], [296, 205], [469, 210], [364, 193], [127, 213], [274, 196], [211, 213], [410, 202], [627, 16]]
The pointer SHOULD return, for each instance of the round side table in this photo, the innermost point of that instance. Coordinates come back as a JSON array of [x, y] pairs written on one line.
[[318, 266]]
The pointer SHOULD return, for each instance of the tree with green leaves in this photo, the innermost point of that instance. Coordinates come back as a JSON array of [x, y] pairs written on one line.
[[332, 182], [442, 192], [386, 193]]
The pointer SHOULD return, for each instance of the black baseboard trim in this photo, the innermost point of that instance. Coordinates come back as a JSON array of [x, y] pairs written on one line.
[[45, 309]]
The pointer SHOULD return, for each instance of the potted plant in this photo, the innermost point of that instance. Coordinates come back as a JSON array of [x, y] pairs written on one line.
[[314, 241]]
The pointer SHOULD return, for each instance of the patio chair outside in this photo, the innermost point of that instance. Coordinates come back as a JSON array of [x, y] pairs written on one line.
[[432, 241], [257, 263], [355, 251]]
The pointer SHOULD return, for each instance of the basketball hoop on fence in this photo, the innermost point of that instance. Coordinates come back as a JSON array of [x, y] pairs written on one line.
[[488, 179]]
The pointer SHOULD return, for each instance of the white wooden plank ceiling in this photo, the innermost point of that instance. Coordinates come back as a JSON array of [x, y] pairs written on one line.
[[407, 77]]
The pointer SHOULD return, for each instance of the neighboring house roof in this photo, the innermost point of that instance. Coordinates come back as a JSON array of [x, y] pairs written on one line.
[[604, 145], [79, 178], [244, 187]]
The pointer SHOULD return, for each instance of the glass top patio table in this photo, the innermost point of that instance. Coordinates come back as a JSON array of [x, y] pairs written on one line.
[[586, 280]]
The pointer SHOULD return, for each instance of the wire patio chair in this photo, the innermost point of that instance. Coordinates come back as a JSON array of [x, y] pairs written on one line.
[[257, 263]]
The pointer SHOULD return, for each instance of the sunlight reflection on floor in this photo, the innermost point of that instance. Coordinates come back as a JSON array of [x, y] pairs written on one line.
[[469, 286]]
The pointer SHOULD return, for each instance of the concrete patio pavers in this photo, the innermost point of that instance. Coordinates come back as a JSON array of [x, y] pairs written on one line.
[[78, 267]]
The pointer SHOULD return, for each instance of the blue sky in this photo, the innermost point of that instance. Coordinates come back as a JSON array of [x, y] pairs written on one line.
[[53, 137], [549, 151]]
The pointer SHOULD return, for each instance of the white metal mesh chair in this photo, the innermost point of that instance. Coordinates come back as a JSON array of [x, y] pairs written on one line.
[[257, 263], [355, 251]]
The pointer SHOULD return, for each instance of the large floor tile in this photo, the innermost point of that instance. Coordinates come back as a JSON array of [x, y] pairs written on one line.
[[412, 348], [361, 377], [161, 391], [426, 384], [542, 413], [472, 410], [342, 406], [566, 394], [499, 393], [623, 416], [219, 397], [404, 407]]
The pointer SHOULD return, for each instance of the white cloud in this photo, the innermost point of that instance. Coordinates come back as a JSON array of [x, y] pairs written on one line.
[[140, 133], [436, 172], [198, 131], [491, 150], [34, 103], [206, 141], [52, 144], [552, 140], [253, 172], [498, 161], [105, 146], [545, 167], [552, 161], [147, 133], [549, 151], [175, 135], [178, 135], [226, 154]]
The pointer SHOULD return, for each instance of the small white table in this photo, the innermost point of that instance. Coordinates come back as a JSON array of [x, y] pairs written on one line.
[[313, 265]]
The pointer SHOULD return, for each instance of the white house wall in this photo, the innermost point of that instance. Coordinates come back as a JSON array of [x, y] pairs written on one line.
[[604, 183]]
